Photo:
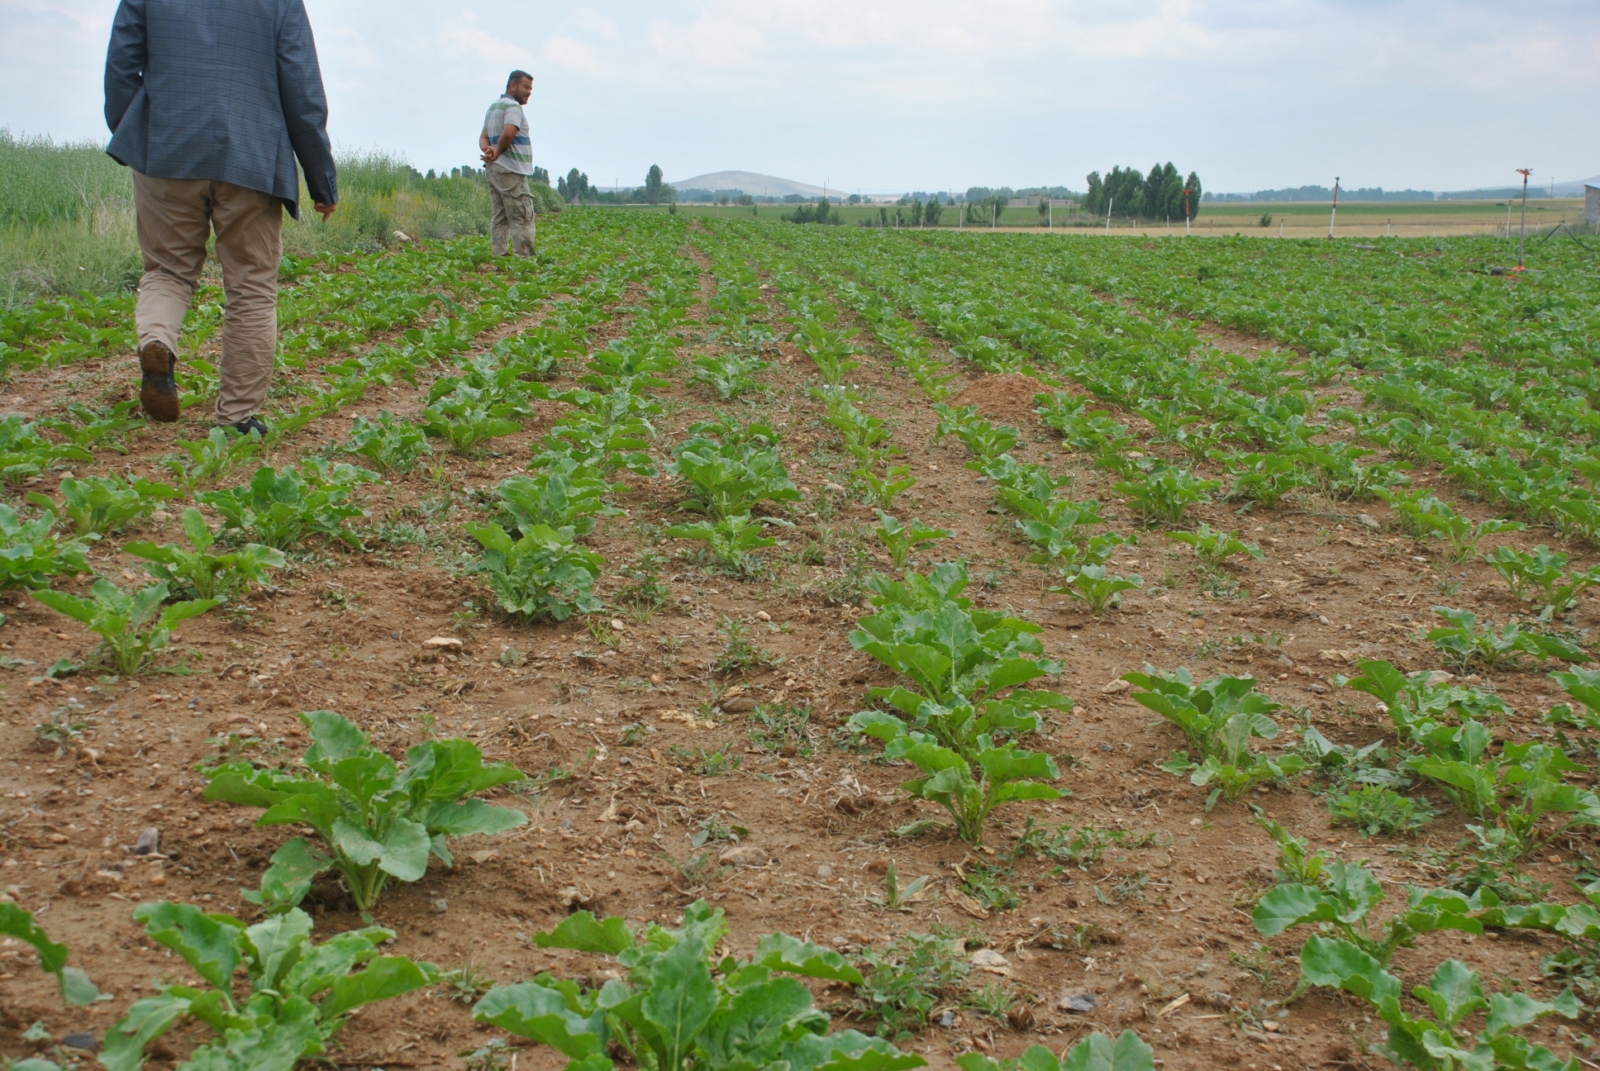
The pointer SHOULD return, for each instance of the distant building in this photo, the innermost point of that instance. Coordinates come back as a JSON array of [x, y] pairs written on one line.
[[1591, 204]]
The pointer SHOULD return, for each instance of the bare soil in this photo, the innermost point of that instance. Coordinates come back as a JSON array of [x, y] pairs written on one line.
[[629, 710]]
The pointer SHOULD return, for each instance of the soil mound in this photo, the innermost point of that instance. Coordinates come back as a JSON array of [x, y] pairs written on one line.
[[1008, 397]]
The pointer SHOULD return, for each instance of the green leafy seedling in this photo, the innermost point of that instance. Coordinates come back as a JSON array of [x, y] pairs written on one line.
[[1453, 994], [378, 820], [1466, 643], [678, 1006], [883, 490], [1218, 719], [1097, 1052], [1212, 547], [900, 541], [282, 508], [31, 555], [894, 897], [208, 575], [1164, 494], [300, 993], [130, 631], [391, 445], [90, 429], [1097, 588], [75, 985], [97, 505], [543, 574], [213, 457]]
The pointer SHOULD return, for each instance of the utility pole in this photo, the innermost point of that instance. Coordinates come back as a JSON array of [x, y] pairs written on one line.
[[1523, 233], [1335, 214], [1109, 205]]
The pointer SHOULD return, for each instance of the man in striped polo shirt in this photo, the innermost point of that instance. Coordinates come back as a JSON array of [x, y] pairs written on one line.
[[508, 159]]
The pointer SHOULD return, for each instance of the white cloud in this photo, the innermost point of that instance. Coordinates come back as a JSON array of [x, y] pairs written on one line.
[[926, 93]]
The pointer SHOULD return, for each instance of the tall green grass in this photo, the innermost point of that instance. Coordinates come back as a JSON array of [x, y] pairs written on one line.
[[67, 222]]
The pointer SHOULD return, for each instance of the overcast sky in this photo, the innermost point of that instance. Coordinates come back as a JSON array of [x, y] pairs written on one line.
[[930, 94]]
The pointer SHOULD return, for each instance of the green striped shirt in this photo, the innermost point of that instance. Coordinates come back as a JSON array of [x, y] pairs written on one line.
[[518, 159]]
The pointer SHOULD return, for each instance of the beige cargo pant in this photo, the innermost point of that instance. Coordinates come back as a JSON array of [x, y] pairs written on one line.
[[511, 224], [176, 217]]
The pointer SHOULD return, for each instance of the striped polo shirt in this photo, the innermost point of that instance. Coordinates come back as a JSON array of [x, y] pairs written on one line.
[[518, 159]]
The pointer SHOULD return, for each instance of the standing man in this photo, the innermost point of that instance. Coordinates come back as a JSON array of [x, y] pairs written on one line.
[[209, 104], [508, 160]]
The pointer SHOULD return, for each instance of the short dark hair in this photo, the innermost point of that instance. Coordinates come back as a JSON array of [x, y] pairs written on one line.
[[517, 76]]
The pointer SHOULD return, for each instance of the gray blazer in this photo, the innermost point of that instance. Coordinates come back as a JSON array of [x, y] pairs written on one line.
[[228, 91]]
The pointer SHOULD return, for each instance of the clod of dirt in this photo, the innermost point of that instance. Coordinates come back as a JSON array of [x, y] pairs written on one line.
[[149, 841], [1077, 1002], [1114, 687], [987, 959], [571, 896], [1020, 1017], [824, 871], [439, 906], [442, 642], [1367, 522], [745, 855]]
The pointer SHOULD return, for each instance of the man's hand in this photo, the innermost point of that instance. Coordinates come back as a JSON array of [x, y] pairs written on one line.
[[491, 154], [325, 210]]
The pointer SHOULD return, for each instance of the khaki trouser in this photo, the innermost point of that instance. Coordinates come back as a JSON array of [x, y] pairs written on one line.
[[512, 224], [176, 217]]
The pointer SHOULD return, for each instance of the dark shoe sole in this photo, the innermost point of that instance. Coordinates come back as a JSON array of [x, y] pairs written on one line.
[[158, 393]]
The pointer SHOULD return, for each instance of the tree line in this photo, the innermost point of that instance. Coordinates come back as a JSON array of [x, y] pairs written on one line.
[[575, 188], [1129, 193]]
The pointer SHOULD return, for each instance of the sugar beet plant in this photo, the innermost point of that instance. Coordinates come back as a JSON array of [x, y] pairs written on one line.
[[727, 473], [377, 820], [961, 721], [678, 1006], [31, 554], [133, 626], [532, 560], [207, 575], [1517, 797], [281, 508], [1353, 951], [1218, 718], [299, 993]]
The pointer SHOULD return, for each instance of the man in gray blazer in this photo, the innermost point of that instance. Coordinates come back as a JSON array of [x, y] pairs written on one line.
[[209, 104]]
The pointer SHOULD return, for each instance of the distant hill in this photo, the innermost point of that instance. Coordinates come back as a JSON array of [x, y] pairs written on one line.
[[748, 181], [1575, 189]]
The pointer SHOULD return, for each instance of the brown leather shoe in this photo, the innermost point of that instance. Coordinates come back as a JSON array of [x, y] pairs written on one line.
[[159, 391]]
